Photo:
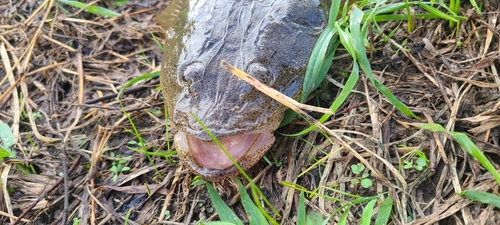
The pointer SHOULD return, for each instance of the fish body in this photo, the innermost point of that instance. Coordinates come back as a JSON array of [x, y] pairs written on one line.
[[269, 39]]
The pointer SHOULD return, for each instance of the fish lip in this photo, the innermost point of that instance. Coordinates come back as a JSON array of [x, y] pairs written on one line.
[[206, 159]]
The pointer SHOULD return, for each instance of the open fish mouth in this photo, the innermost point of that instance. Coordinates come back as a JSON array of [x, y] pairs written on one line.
[[209, 161]]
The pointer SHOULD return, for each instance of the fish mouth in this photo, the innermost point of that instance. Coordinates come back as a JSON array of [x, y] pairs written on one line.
[[208, 160]]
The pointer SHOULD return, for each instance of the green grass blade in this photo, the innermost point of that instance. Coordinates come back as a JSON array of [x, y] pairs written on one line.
[[92, 9], [367, 213], [437, 12], [348, 87], [255, 216], [343, 217], [320, 61], [137, 79], [384, 212], [475, 152], [301, 210], [356, 17], [225, 213], [334, 11], [467, 145], [481, 196]]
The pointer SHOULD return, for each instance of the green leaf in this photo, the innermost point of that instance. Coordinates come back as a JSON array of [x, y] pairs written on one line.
[[343, 217], [225, 213], [4, 153], [483, 197], [384, 212], [467, 145], [92, 9], [301, 211], [255, 216], [473, 150], [358, 40], [137, 79], [314, 218], [438, 13], [6, 135], [367, 213], [366, 183], [320, 60]]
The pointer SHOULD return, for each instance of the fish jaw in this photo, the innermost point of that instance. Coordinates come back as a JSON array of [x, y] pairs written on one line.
[[208, 160]]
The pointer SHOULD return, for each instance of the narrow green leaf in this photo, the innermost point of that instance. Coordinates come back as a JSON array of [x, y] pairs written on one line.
[[481, 196], [255, 216], [343, 217], [475, 152], [320, 61], [355, 22], [436, 12], [348, 87], [467, 145], [301, 211], [367, 213], [225, 213], [384, 212], [137, 79], [92, 9]]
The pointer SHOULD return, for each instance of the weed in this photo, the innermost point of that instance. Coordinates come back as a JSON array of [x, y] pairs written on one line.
[[118, 165], [363, 177]]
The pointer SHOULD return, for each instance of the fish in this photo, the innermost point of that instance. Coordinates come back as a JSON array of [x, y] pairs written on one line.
[[269, 39]]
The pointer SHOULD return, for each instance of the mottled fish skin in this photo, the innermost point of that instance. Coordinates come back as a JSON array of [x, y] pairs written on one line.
[[270, 39]]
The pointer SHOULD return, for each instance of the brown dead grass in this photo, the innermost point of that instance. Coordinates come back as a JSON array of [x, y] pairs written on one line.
[[69, 68]]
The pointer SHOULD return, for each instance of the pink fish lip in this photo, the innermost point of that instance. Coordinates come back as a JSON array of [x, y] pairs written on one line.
[[209, 161]]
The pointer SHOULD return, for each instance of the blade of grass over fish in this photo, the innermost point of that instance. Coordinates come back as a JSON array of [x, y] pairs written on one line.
[[225, 213], [481, 196], [466, 144], [301, 210], [243, 173], [355, 20], [323, 49], [255, 216], [384, 212], [91, 9]]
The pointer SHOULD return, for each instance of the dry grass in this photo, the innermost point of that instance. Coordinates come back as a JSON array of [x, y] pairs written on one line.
[[69, 68]]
